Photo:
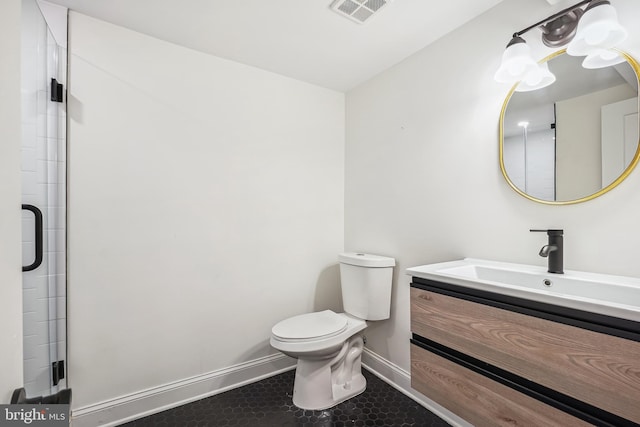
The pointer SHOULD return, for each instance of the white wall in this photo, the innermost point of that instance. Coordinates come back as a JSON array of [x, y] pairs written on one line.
[[205, 205], [423, 181], [10, 253]]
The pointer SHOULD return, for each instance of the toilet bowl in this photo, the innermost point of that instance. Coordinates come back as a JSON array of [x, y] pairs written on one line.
[[329, 345], [328, 354]]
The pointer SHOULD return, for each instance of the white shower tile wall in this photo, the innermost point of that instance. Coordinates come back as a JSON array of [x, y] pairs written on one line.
[[43, 185]]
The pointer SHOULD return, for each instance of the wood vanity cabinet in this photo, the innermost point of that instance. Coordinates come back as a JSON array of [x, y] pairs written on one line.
[[499, 360]]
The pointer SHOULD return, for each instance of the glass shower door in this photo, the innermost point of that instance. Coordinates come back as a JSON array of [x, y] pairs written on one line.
[[43, 201]]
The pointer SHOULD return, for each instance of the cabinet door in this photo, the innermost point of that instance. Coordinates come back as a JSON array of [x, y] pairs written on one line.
[[599, 369], [479, 400]]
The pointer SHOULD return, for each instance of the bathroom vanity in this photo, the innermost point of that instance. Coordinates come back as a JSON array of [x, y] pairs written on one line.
[[496, 344]]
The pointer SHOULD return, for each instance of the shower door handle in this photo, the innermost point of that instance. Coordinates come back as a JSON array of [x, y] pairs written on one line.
[[37, 213]]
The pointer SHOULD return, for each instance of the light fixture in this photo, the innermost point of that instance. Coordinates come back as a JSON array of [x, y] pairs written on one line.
[[602, 58], [536, 79], [518, 65], [592, 32], [598, 29], [517, 62], [557, 31]]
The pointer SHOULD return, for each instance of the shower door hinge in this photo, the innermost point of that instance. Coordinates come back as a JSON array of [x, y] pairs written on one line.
[[57, 371], [56, 91]]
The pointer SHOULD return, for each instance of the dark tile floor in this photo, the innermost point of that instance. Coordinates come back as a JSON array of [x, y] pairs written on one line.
[[267, 403]]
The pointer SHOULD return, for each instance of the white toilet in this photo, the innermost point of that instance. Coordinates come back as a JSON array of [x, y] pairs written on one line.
[[328, 345]]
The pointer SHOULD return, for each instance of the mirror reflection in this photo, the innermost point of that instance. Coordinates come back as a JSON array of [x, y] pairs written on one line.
[[575, 139]]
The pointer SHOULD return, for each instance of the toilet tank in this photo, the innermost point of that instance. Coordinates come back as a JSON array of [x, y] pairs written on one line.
[[366, 284]]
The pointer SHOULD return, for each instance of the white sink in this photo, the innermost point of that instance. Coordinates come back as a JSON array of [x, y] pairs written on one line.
[[610, 295]]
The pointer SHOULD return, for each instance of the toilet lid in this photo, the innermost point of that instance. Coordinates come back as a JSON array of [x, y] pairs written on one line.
[[321, 324]]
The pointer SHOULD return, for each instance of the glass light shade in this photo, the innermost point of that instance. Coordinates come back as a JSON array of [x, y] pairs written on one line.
[[598, 29], [536, 79], [516, 62], [602, 59]]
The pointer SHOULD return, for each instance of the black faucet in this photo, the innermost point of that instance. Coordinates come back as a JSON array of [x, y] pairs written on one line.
[[553, 250]]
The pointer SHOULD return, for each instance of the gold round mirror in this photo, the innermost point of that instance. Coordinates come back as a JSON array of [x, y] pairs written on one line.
[[576, 139]]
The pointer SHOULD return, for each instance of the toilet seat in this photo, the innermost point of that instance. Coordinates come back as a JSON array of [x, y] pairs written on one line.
[[310, 327]]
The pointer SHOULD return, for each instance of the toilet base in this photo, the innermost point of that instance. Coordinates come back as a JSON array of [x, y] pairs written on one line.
[[322, 384], [342, 392]]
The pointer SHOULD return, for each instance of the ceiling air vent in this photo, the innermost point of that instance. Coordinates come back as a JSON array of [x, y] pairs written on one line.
[[358, 10]]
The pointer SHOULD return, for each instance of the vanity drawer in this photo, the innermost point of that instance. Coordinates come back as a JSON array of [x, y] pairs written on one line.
[[478, 399], [592, 367]]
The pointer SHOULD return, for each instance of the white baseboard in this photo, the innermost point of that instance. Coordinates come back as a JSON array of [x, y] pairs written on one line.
[[127, 408], [136, 405], [400, 379]]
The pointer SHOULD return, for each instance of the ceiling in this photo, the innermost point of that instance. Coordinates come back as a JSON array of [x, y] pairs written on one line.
[[302, 39]]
